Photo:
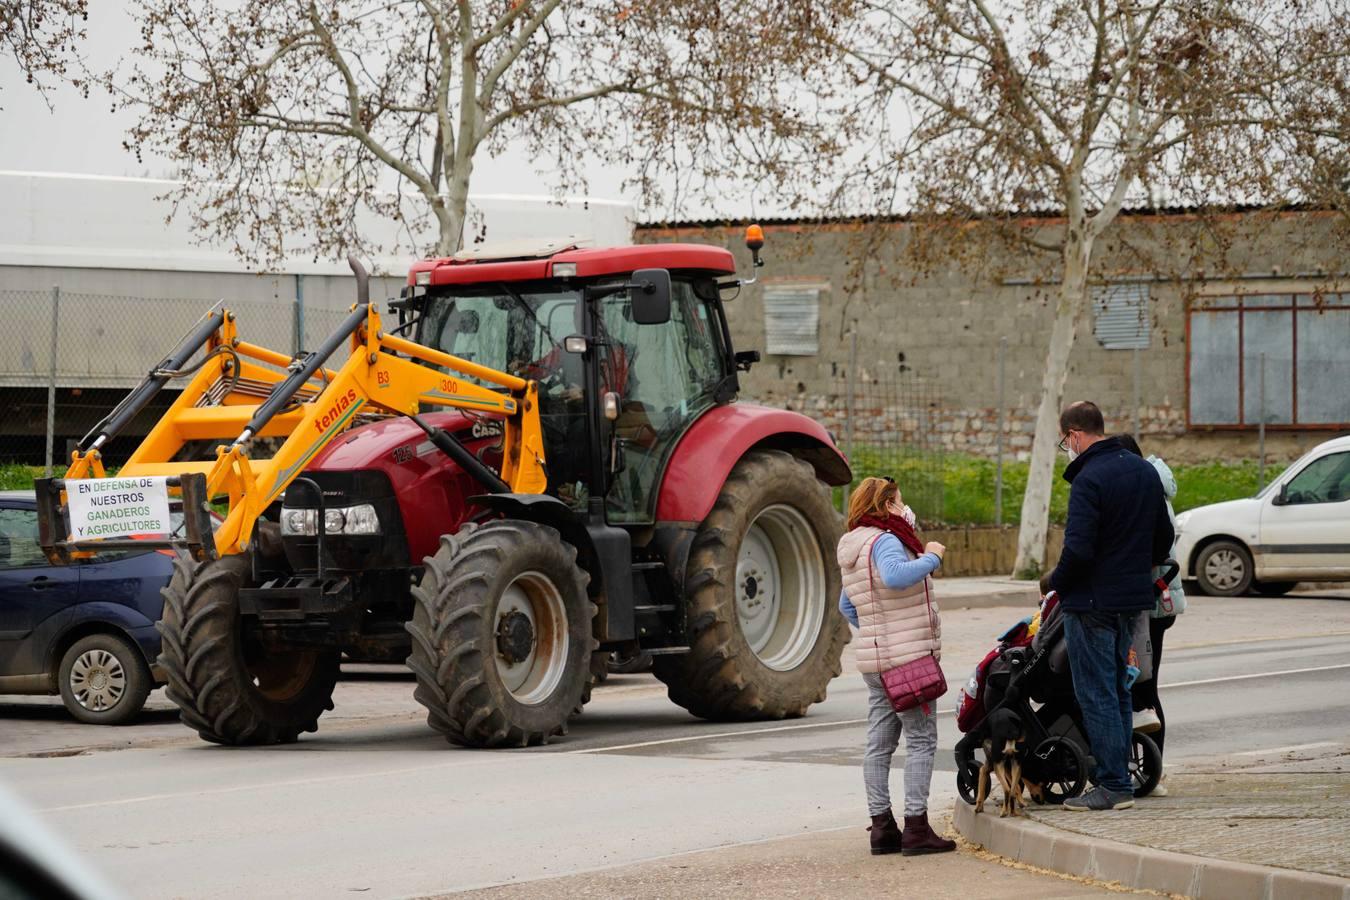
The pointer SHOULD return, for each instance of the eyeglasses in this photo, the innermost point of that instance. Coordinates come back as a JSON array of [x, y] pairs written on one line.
[[1064, 441], [888, 479]]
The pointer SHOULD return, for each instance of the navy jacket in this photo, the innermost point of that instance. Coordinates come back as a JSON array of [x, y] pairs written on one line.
[[1118, 530]]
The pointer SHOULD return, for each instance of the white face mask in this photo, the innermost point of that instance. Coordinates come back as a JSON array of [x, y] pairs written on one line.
[[1073, 454], [908, 515]]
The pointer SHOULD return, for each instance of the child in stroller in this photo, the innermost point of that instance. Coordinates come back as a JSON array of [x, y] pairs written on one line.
[[1028, 673]]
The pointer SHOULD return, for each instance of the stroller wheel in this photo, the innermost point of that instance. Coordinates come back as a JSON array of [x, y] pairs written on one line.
[[1145, 764], [968, 780], [1060, 766]]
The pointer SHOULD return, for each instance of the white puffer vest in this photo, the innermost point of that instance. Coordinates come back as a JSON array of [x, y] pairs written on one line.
[[894, 626]]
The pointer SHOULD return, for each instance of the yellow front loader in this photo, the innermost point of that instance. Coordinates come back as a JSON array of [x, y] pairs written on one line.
[[242, 391]]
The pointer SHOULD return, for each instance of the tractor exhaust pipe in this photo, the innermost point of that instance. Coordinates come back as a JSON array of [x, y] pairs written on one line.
[[362, 280]]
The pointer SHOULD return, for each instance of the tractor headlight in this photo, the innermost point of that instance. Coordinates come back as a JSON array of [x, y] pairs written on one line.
[[336, 520], [361, 520], [298, 521]]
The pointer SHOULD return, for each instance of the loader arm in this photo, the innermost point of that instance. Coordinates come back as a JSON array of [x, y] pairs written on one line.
[[309, 406]]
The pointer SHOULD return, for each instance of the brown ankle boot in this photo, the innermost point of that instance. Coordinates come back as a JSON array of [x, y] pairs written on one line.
[[918, 837], [885, 834]]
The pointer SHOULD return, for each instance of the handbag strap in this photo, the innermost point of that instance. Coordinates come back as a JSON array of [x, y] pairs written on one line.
[[932, 619], [872, 588]]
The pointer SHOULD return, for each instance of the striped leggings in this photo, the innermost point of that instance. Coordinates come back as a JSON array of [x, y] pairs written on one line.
[[883, 735]]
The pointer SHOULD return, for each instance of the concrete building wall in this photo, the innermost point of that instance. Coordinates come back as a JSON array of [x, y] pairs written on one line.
[[945, 325]]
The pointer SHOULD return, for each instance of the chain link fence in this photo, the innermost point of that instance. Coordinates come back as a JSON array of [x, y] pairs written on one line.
[[67, 358], [890, 429]]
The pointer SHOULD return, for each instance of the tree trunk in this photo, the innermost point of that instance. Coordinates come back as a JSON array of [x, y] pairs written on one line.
[[1040, 478], [450, 216], [455, 207]]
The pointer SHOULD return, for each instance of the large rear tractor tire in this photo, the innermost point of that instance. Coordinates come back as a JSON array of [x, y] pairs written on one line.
[[765, 634], [501, 630], [226, 686]]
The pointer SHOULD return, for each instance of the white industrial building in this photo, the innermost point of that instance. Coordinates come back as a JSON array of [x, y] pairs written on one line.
[[125, 280]]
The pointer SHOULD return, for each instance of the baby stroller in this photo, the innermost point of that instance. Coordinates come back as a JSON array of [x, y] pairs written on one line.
[[1028, 672]]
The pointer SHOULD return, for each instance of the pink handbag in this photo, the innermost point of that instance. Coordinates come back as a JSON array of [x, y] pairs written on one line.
[[915, 683], [918, 681]]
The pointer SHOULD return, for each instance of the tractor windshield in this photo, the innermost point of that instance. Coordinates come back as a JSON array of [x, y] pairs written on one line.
[[510, 329], [520, 329]]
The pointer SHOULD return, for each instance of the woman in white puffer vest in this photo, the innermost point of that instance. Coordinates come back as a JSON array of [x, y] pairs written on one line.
[[888, 598]]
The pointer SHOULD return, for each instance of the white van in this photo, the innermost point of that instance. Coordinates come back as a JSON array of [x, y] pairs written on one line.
[[1296, 529]]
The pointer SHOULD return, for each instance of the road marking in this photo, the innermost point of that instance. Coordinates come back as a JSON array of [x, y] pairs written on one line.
[[731, 734], [1289, 749], [942, 712], [1177, 684]]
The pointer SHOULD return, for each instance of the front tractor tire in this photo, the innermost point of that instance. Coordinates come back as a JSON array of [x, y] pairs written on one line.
[[227, 686], [501, 635], [765, 636]]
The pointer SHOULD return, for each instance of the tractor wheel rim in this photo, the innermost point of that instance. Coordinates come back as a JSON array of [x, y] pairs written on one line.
[[534, 676], [780, 587], [98, 680], [1225, 570], [283, 676]]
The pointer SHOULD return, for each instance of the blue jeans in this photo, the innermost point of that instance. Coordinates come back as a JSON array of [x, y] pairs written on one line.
[[1099, 647]]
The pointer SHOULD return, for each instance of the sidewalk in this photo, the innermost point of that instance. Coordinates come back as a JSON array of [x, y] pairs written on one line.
[[1243, 826], [835, 864]]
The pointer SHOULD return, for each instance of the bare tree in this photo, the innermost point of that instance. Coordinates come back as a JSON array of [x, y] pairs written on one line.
[[42, 37], [983, 112], [284, 117]]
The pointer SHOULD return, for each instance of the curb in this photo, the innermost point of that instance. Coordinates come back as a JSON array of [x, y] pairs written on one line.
[[1008, 596], [1144, 868]]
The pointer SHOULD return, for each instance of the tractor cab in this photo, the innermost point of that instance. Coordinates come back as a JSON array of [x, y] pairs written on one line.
[[628, 346]]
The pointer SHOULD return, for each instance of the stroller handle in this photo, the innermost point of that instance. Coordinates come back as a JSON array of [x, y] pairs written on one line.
[[1170, 569]]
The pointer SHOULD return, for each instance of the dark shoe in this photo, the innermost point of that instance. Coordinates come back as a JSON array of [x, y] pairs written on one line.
[[885, 834], [919, 837], [1099, 799]]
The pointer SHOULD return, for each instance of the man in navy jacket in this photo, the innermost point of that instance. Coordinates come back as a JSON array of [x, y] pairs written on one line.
[[1117, 531]]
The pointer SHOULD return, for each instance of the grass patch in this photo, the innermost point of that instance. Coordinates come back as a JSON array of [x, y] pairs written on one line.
[[964, 485], [15, 477]]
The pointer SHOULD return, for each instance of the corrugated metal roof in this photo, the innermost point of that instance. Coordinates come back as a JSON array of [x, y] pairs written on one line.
[[1045, 212], [792, 320], [1121, 316]]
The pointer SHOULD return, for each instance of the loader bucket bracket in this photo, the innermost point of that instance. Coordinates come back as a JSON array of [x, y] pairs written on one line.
[[198, 538]]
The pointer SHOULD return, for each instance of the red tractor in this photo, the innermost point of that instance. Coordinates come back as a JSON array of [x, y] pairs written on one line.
[[572, 476]]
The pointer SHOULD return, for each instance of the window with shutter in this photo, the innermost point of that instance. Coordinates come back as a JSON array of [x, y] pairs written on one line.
[[1121, 316], [792, 319]]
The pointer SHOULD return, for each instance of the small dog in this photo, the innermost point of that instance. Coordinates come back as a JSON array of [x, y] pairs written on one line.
[[1003, 746]]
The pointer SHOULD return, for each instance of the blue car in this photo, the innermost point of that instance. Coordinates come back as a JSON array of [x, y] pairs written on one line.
[[85, 631]]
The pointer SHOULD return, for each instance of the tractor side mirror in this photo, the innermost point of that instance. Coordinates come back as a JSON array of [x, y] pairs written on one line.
[[649, 293]]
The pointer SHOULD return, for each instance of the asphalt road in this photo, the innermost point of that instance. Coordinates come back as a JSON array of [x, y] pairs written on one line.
[[382, 807]]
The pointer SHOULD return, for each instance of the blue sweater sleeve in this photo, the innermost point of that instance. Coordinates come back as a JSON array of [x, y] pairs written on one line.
[[894, 570], [846, 607]]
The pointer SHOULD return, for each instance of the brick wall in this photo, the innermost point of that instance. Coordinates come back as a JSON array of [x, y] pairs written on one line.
[[945, 325]]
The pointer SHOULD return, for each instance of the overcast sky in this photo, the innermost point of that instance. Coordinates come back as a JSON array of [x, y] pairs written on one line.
[[85, 136]]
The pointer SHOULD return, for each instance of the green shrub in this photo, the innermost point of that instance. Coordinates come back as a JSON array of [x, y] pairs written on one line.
[[958, 489], [14, 477]]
